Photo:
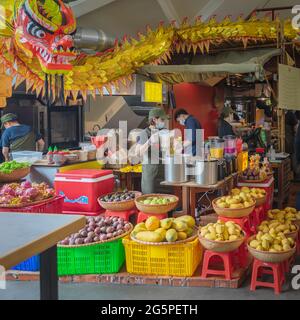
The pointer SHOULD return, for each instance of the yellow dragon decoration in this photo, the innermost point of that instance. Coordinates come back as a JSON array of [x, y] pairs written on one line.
[[36, 44]]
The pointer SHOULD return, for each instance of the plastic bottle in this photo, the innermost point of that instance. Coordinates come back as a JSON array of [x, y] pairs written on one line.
[[50, 155]]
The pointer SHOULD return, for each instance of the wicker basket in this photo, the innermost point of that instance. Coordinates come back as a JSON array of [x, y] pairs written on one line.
[[121, 205], [220, 246], [232, 213], [156, 209], [294, 234], [297, 222], [270, 257], [16, 175]]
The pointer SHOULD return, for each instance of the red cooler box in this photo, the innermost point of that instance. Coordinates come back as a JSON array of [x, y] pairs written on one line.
[[82, 188]]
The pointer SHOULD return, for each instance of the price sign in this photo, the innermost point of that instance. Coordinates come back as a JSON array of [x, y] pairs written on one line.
[[152, 92]]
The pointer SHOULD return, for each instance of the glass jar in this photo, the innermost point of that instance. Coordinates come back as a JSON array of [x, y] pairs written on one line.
[[230, 145], [216, 147]]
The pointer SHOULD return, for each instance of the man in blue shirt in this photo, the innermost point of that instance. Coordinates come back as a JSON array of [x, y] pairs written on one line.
[[191, 123], [18, 137]]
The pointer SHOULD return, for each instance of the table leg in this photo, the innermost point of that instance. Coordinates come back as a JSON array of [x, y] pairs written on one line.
[[185, 201], [48, 275]]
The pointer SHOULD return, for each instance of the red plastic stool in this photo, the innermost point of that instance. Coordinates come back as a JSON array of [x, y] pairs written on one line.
[[121, 214], [241, 256], [256, 217], [144, 216], [227, 263], [259, 268], [244, 223]]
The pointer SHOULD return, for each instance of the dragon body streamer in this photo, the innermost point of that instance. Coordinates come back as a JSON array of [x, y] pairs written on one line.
[[36, 45]]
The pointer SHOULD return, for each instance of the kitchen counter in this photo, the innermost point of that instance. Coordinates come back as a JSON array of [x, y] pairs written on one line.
[[43, 172]]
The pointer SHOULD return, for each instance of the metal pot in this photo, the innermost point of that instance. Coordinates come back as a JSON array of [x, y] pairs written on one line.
[[206, 172], [175, 169]]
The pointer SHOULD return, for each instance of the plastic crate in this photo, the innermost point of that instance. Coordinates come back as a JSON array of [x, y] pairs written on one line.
[[32, 264], [179, 260], [52, 206], [104, 258]]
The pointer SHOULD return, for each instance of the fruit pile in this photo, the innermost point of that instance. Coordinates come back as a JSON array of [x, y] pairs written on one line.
[[98, 229], [240, 201], [157, 200], [288, 214], [222, 231], [254, 171], [274, 227], [255, 193], [24, 193], [11, 166], [166, 230], [275, 242], [119, 196]]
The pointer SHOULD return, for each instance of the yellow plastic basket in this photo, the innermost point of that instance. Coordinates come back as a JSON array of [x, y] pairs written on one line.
[[179, 260]]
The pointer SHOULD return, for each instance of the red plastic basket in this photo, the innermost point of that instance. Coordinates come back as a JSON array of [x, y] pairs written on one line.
[[52, 206]]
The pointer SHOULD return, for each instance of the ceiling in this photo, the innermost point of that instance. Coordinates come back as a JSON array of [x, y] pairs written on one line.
[[120, 17]]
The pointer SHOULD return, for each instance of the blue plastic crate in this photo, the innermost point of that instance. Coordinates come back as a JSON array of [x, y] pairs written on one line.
[[31, 264]]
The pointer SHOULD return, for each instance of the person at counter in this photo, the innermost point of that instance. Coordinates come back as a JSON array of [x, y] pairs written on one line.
[[191, 123], [149, 147], [18, 137], [224, 126]]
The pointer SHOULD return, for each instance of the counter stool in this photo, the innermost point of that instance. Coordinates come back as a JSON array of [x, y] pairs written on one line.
[[121, 214], [244, 223], [226, 258], [260, 268], [144, 216]]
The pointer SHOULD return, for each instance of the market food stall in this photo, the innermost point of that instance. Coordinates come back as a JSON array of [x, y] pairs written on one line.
[[126, 236]]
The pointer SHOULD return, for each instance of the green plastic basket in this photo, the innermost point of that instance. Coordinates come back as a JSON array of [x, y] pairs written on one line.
[[102, 258]]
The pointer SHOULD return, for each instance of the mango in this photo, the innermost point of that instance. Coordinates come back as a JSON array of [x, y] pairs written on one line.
[[152, 223], [179, 226], [166, 223], [162, 232], [149, 236], [190, 232], [171, 235], [189, 220], [182, 235], [140, 227]]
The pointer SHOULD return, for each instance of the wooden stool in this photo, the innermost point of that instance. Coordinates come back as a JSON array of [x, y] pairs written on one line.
[[227, 263], [144, 216], [260, 268]]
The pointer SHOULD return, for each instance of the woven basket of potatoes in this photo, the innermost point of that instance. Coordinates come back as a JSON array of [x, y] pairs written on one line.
[[275, 228], [257, 194], [221, 236], [288, 214], [237, 206], [268, 248]]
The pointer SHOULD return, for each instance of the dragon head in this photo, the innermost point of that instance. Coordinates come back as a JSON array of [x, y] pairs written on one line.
[[43, 31]]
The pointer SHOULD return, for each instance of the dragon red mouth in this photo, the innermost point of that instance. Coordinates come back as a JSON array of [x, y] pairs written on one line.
[[56, 60]]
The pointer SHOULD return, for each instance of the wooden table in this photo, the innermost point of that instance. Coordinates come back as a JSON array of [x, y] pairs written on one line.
[[25, 235], [191, 189]]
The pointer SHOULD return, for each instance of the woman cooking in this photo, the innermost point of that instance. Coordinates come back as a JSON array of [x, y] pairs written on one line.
[[18, 137], [149, 147]]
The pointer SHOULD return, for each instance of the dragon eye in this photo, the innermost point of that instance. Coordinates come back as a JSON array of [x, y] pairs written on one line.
[[40, 34], [35, 30]]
